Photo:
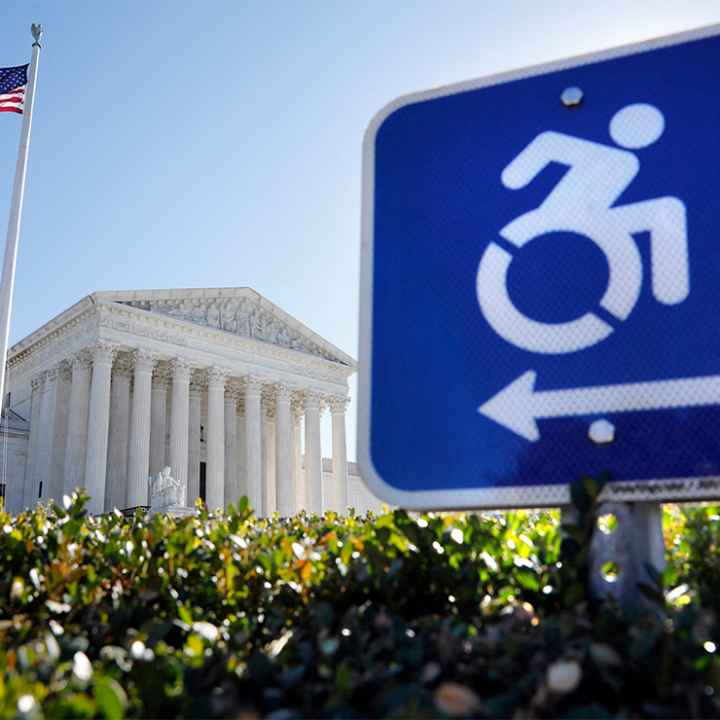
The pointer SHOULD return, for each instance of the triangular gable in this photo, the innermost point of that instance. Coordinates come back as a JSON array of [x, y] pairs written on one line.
[[240, 311]]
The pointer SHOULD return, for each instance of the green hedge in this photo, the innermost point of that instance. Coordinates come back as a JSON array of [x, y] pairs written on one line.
[[393, 615]]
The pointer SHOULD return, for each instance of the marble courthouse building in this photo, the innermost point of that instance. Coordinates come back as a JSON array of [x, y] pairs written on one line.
[[219, 384]]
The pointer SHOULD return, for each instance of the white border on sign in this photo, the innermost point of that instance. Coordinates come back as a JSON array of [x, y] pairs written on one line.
[[665, 489]]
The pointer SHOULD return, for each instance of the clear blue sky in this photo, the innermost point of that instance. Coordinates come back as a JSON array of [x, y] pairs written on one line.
[[218, 143]]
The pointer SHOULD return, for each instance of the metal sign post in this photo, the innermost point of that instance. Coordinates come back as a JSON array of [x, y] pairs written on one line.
[[539, 288], [627, 549]]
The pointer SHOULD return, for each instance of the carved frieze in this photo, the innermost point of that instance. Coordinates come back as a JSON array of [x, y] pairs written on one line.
[[124, 325], [239, 316]]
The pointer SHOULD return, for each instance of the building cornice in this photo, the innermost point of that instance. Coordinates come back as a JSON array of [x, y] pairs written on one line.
[[56, 327]]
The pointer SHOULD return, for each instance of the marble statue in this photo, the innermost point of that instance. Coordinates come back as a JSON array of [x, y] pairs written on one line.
[[167, 494]]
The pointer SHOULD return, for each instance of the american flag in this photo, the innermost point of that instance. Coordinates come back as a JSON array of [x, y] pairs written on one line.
[[12, 88]]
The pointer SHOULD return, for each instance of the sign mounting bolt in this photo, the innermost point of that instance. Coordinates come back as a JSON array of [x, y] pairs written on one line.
[[571, 96], [602, 432]]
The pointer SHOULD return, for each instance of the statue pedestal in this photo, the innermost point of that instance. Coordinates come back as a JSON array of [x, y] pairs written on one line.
[[178, 511]]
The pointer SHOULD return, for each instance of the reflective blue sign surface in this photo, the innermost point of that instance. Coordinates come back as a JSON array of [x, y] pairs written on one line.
[[541, 283]]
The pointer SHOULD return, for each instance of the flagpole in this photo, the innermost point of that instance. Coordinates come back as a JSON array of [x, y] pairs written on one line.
[[13, 233]]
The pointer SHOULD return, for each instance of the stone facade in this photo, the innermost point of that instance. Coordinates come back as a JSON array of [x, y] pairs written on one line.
[[219, 384], [14, 431]]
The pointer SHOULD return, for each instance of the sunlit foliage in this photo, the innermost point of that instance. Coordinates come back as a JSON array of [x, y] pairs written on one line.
[[434, 615]]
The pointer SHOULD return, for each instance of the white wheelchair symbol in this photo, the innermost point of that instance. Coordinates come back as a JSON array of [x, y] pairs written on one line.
[[582, 203]]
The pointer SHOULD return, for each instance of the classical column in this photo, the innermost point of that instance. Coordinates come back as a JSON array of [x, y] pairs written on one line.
[[215, 475], [30, 493], [253, 444], [76, 438], [195, 421], [59, 430], [338, 405], [158, 421], [232, 487], [301, 502], [241, 449], [313, 453], [98, 423], [53, 418], [47, 414], [179, 420], [139, 450], [39, 462], [117, 463], [285, 482], [268, 454]]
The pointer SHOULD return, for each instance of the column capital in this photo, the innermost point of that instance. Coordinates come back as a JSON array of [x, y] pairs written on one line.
[[123, 368], [81, 359], [103, 353], [297, 409], [338, 404], [312, 400], [181, 369], [268, 408], [51, 374], [232, 393], [268, 394], [284, 392], [254, 385], [64, 371], [144, 361], [160, 378], [36, 381], [198, 378], [217, 377], [235, 386], [196, 389]]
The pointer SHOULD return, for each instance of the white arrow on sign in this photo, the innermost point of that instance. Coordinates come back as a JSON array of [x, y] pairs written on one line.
[[518, 406]]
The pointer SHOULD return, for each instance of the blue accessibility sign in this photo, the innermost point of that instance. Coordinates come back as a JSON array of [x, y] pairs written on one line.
[[540, 290]]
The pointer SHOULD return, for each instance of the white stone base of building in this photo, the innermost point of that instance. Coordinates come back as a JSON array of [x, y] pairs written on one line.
[[178, 511]]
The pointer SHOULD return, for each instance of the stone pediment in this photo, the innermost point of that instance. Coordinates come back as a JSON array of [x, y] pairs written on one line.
[[238, 311]]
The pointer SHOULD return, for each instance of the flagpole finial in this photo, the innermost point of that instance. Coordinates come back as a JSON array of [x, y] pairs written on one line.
[[37, 31]]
